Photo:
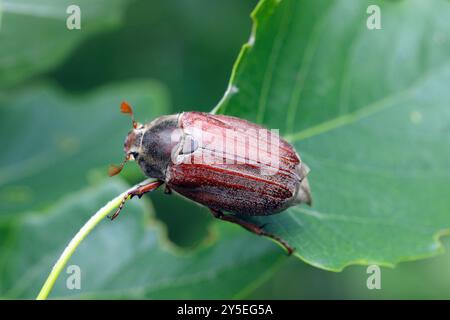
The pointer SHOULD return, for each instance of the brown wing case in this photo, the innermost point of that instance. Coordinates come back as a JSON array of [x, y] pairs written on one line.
[[233, 165]]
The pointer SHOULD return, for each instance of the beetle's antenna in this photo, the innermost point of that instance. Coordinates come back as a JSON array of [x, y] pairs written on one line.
[[126, 108], [114, 169]]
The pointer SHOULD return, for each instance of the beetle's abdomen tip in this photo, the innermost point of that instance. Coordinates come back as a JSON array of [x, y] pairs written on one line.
[[304, 193]]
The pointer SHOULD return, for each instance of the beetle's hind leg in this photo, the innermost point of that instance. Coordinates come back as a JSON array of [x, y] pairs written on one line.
[[138, 191], [251, 227]]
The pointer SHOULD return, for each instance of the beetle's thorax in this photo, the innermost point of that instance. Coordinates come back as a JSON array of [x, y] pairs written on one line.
[[154, 143]]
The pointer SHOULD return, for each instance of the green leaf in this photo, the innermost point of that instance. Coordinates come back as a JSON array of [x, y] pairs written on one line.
[[29, 20], [128, 258], [58, 143], [368, 112]]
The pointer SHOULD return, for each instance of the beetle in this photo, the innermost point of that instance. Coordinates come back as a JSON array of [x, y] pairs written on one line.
[[232, 166]]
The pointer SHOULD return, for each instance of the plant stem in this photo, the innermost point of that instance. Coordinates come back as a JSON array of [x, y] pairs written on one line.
[[75, 242]]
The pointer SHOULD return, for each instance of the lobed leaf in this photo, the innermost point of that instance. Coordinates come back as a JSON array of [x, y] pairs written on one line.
[[368, 112]]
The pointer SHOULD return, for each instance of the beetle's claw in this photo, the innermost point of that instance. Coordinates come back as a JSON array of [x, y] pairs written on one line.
[[287, 247]]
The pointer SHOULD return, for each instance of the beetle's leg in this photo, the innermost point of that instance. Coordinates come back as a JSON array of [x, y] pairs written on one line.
[[138, 191], [251, 227], [167, 189]]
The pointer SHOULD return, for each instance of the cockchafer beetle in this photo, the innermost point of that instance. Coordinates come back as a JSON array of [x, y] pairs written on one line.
[[225, 163]]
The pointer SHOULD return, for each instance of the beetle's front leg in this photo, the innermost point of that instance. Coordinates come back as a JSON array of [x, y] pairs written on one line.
[[252, 228], [138, 191]]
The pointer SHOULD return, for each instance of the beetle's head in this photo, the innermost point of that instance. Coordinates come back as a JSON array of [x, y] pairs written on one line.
[[133, 141]]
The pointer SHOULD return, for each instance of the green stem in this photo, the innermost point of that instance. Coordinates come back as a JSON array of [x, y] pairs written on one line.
[[75, 242]]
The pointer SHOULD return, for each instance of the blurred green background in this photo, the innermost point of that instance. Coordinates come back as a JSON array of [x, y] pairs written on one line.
[[163, 56]]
